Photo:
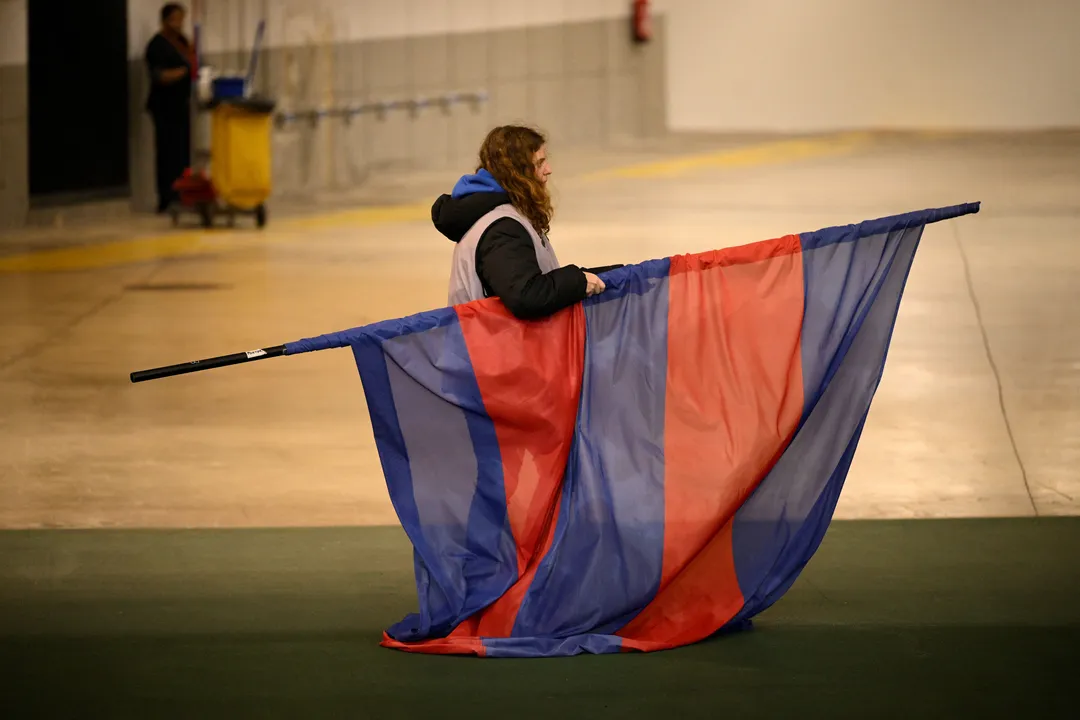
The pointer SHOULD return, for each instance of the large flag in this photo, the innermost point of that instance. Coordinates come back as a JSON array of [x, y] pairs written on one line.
[[642, 470]]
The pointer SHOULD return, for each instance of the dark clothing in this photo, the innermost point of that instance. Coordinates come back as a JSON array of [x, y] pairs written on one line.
[[172, 153], [169, 104], [506, 258], [164, 54]]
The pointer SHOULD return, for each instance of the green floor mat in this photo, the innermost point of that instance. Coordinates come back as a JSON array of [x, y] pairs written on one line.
[[922, 618]]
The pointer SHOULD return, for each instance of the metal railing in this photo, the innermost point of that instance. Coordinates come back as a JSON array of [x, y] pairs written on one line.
[[381, 108]]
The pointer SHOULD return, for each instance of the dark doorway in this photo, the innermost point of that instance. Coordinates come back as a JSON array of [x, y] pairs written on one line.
[[78, 100]]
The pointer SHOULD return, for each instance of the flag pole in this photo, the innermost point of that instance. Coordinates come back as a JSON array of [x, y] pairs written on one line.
[[208, 364], [433, 318]]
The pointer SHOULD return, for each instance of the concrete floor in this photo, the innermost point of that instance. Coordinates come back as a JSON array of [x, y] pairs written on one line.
[[978, 413]]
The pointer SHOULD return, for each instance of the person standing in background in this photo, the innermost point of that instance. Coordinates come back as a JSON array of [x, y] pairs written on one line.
[[170, 58]]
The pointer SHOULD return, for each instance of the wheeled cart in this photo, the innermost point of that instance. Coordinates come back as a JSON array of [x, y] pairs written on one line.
[[239, 181]]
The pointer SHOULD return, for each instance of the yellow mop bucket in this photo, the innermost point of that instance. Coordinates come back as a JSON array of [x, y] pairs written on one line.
[[240, 158]]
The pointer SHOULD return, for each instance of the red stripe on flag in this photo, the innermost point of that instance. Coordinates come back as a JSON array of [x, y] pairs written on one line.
[[440, 646], [733, 400], [497, 620], [536, 364]]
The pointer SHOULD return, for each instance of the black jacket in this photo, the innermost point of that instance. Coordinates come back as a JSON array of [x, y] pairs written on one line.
[[506, 258], [174, 98]]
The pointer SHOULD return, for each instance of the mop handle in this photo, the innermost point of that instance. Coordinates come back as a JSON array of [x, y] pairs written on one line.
[[209, 363], [254, 61]]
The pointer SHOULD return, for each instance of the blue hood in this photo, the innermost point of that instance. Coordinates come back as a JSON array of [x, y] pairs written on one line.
[[473, 197], [482, 181]]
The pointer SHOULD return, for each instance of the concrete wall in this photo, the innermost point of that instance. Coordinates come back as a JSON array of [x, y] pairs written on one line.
[[14, 171], [792, 65], [567, 66], [144, 19]]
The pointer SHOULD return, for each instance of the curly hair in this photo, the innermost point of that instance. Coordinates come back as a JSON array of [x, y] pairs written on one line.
[[507, 153]]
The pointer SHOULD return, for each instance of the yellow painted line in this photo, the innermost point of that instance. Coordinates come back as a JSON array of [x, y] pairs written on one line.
[[178, 244], [175, 244], [118, 252], [781, 151]]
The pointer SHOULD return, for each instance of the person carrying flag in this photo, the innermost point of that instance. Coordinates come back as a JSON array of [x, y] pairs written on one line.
[[499, 218]]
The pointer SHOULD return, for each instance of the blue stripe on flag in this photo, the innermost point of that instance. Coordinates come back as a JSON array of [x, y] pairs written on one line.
[[532, 647], [845, 343], [444, 473], [606, 559]]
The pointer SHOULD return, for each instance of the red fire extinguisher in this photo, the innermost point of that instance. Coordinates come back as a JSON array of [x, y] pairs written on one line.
[[641, 22]]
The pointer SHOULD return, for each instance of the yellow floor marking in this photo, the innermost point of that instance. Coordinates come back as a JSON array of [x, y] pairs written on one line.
[[180, 243], [771, 153]]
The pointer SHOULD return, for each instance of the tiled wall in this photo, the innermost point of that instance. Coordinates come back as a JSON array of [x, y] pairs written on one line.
[[14, 171], [585, 83], [582, 80]]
